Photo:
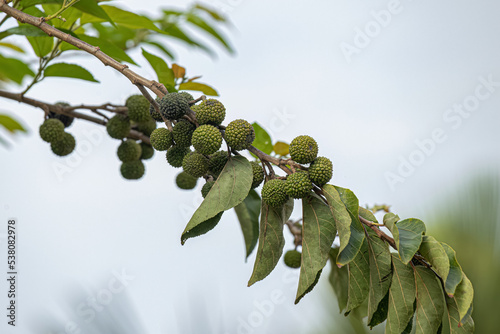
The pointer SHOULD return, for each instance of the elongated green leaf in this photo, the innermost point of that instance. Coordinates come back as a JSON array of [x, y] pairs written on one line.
[[430, 301], [176, 32], [164, 73], [68, 71], [454, 326], [199, 87], [271, 240], [356, 229], [165, 50], [339, 280], [105, 45], [214, 14], [248, 215], [380, 274], [464, 295], [455, 275], [202, 24], [10, 124], [401, 297], [91, 7], [262, 139], [14, 69], [359, 278], [203, 227], [129, 19], [229, 190], [433, 251], [407, 235], [318, 234], [12, 47], [41, 45], [24, 30], [342, 220]]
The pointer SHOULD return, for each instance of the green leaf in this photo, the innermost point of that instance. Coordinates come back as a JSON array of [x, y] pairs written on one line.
[[202, 24], [359, 278], [407, 235], [453, 319], [164, 73], [12, 47], [215, 15], [248, 215], [10, 124], [271, 240], [455, 276], [14, 69], [430, 301], [281, 148], [464, 295], [434, 253], [91, 7], [41, 45], [229, 190], [199, 87], [176, 32], [380, 273], [339, 280], [24, 30], [357, 233], [318, 234], [129, 19], [105, 45], [68, 71], [262, 139], [204, 227], [401, 297], [166, 51]]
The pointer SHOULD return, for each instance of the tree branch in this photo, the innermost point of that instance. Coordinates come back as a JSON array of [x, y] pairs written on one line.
[[69, 111], [39, 22]]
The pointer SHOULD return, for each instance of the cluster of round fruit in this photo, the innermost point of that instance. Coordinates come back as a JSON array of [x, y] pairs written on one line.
[[130, 152], [53, 131], [299, 184], [206, 137]]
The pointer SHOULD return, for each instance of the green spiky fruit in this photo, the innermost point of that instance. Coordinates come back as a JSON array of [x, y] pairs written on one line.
[[147, 127], [154, 114], [52, 130], [66, 120], [132, 170], [195, 163], [147, 151], [185, 181], [210, 111], [183, 132], [129, 150], [118, 126], [303, 149], [173, 106], [258, 174], [138, 108], [64, 146], [273, 192], [216, 162], [175, 155], [207, 139], [240, 134], [161, 139], [321, 171], [298, 185], [206, 188], [187, 96], [293, 258]]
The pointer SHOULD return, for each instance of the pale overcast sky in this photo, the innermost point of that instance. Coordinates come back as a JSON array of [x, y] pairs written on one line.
[[403, 96]]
